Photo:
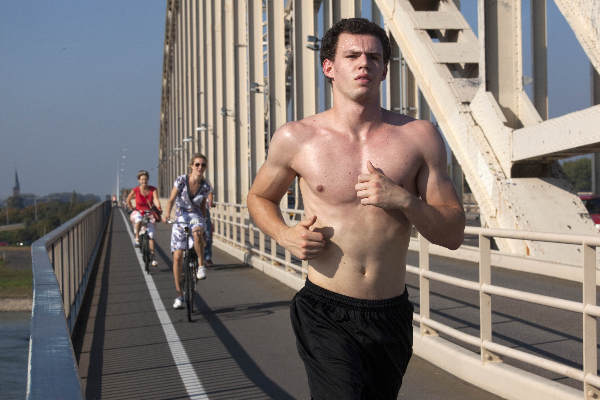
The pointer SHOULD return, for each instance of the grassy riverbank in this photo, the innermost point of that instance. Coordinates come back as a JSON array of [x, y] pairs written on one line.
[[14, 283], [15, 279]]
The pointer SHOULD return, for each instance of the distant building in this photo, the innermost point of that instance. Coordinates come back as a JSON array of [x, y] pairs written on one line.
[[22, 200], [17, 187], [16, 200]]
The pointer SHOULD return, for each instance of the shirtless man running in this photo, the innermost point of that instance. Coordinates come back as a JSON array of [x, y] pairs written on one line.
[[366, 175]]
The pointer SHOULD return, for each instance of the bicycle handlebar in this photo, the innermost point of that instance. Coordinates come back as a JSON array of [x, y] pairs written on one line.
[[193, 221]]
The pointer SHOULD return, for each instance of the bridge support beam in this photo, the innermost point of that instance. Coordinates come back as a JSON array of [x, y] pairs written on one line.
[[477, 129], [230, 108], [540, 59]]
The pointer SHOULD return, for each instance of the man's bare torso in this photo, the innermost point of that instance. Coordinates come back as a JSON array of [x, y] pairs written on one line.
[[366, 251]]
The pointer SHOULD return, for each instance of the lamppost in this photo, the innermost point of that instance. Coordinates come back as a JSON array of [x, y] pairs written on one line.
[[120, 171], [187, 142], [176, 155]]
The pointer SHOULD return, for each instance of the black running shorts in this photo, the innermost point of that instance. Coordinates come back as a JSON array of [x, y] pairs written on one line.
[[352, 348]]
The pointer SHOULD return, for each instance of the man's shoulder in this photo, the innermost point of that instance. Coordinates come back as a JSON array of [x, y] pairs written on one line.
[[301, 129], [289, 140], [418, 129], [406, 121]]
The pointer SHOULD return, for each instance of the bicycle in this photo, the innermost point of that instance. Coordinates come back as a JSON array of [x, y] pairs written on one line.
[[145, 241], [190, 269]]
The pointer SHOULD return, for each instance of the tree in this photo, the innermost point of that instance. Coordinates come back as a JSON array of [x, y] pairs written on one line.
[[579, 172], [51, 214], [15, 202]]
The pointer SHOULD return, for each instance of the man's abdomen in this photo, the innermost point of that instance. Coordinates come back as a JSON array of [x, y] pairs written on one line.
[[363, 259]]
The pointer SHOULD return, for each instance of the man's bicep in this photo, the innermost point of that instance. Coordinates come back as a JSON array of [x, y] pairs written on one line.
[[433, 181], [276, 174], [438, 190], [272, 181]]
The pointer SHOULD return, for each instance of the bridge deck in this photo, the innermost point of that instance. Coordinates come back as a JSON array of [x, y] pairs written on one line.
[[240, 345]]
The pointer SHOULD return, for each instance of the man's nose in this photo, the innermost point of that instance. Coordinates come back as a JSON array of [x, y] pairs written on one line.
[[363, 60]]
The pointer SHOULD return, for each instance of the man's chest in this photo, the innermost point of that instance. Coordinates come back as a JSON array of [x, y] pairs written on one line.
[[330, 168]]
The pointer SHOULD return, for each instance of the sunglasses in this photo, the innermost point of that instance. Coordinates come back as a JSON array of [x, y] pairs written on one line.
[[200, 164]]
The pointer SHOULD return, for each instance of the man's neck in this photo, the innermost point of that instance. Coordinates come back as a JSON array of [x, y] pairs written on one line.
[[356, 117]]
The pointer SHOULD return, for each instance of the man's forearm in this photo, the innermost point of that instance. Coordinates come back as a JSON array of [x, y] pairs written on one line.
[[266, 215]]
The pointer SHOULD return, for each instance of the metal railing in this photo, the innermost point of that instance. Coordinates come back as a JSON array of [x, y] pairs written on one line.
[[232, 222], [62, 262], [489, 350]]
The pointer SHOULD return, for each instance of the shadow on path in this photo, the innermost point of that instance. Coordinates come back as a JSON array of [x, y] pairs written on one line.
[[237, 352]]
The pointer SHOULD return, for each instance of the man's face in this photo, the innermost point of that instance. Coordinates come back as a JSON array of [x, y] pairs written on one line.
[[358, 68]]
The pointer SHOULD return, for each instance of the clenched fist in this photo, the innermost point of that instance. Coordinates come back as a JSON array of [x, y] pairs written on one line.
[[378, 190], [301, 241]]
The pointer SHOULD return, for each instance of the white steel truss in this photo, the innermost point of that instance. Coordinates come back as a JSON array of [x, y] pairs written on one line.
[[235, 70]]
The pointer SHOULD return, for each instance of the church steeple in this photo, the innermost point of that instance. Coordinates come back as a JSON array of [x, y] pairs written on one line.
[[17, 187]]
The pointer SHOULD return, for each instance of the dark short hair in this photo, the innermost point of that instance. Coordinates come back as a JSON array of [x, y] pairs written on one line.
[[143, 172], [357, 26]]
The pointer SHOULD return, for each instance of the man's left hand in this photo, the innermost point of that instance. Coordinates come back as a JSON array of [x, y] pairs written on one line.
[[378, 190]]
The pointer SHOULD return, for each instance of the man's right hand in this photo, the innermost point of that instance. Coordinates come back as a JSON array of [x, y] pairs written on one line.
[[301, 241]]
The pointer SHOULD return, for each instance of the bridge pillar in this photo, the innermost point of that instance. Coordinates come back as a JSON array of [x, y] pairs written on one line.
[[540, 59], [596, 156]]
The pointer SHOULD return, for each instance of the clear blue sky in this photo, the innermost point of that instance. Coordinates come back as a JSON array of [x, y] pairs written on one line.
[[79, 80]]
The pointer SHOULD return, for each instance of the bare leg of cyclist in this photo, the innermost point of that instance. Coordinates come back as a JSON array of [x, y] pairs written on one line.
[[199, 247], [177, 258], [151, 244], [136, 230]]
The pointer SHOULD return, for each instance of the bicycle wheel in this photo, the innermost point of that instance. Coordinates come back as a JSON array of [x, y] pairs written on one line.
[[194, 272], [194, 266], [188, 285], [145, 245]]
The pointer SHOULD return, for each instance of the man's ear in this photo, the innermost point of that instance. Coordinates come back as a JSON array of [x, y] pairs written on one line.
[[385, 70], [328, 68]]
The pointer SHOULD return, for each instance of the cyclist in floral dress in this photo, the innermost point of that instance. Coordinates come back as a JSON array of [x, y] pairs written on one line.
[[190, 194]]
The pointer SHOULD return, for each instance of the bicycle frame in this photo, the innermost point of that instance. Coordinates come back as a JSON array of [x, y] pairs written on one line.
[[190, 265], [145, 241], [190, 268]]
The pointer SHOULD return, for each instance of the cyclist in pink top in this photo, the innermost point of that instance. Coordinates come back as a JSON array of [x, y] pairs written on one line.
[[146, 197]]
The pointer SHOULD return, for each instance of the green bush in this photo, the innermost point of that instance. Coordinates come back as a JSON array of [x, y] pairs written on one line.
[[579, 172], [50, 215]]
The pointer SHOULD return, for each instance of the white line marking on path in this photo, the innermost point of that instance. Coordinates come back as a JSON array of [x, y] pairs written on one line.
[[192, 383]]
